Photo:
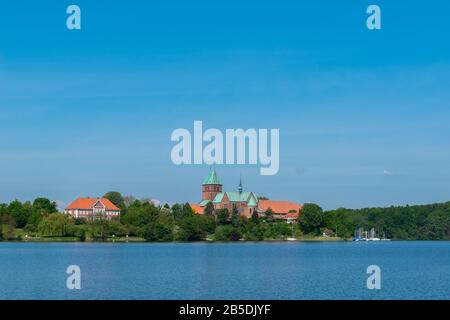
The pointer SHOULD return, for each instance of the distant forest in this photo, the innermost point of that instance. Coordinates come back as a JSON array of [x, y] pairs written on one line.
[[418, 222], [142, 220]]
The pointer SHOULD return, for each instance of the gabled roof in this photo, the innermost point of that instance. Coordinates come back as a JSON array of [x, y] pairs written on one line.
[[249, 197], [204, 203], [218, 198], [88, 203], [252, 202], [212, 178], [236, 196], [280, 207]]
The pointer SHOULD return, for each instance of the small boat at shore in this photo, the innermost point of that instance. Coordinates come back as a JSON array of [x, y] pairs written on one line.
[[358, 236], [361, 235]]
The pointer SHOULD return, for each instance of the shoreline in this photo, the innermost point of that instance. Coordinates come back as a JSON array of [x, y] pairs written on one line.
[[140, 240]]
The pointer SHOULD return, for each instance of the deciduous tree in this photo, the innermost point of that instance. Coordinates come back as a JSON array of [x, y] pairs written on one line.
[[311, 219], [116, 198]]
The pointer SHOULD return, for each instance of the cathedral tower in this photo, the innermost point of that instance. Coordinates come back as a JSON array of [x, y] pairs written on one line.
[[211, 186]]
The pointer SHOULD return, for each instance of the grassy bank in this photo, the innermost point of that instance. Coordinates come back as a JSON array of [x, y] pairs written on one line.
[[21, 236]]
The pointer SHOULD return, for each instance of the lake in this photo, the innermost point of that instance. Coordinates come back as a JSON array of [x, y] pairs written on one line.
[[264, 270]]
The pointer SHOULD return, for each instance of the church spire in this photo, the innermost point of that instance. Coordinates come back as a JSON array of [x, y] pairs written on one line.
[[240, 185]]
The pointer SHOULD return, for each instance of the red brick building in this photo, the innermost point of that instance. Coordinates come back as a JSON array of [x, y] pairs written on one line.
[[92, 208], [247, 203]]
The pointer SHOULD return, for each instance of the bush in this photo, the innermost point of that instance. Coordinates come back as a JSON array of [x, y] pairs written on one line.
[[80, 233], [227, 233], [158, 232], [195, 228], [56, 225]]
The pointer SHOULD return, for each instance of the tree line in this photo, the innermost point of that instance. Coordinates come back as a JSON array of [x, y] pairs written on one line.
[[418, 222], [143, 219], [139, 218]]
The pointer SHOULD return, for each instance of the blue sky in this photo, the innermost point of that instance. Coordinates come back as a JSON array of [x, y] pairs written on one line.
[[363, 115]]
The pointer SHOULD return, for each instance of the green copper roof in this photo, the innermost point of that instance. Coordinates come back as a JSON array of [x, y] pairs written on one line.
[[212, 178], [218, 198], [252, 202], [204, 203], [237, 197]]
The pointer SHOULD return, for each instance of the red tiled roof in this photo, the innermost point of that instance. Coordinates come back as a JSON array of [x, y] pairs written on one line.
[[279, 207], [196, 208], [88, 203]]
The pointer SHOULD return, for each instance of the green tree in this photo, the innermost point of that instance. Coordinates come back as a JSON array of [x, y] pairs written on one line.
[[269, 213], [255, 217], [177, 211], [242, 221], [165, 217], [55, 225], [115, 228], [140, 214], [116, 198], [41, 207], [209, 209], [222, 216], [195, 228], [158, 232], [255, 232], [99, 229], [80, 232], [311, 219], [44, 205], [7, 225], [341, 221], [20, 212], [234, 216], [227, 233], [437, 226], [33, 221], [187, 210]]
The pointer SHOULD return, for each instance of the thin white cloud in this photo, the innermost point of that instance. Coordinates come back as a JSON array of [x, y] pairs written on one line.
[[389, 173], [61, 205]]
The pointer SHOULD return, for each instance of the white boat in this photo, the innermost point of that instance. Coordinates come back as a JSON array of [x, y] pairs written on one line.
[[361, 235]]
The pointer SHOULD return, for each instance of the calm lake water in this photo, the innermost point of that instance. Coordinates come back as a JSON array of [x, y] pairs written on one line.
[[281, 270]]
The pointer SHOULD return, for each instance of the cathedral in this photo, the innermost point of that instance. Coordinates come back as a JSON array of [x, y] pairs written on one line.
[[247, 203]]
